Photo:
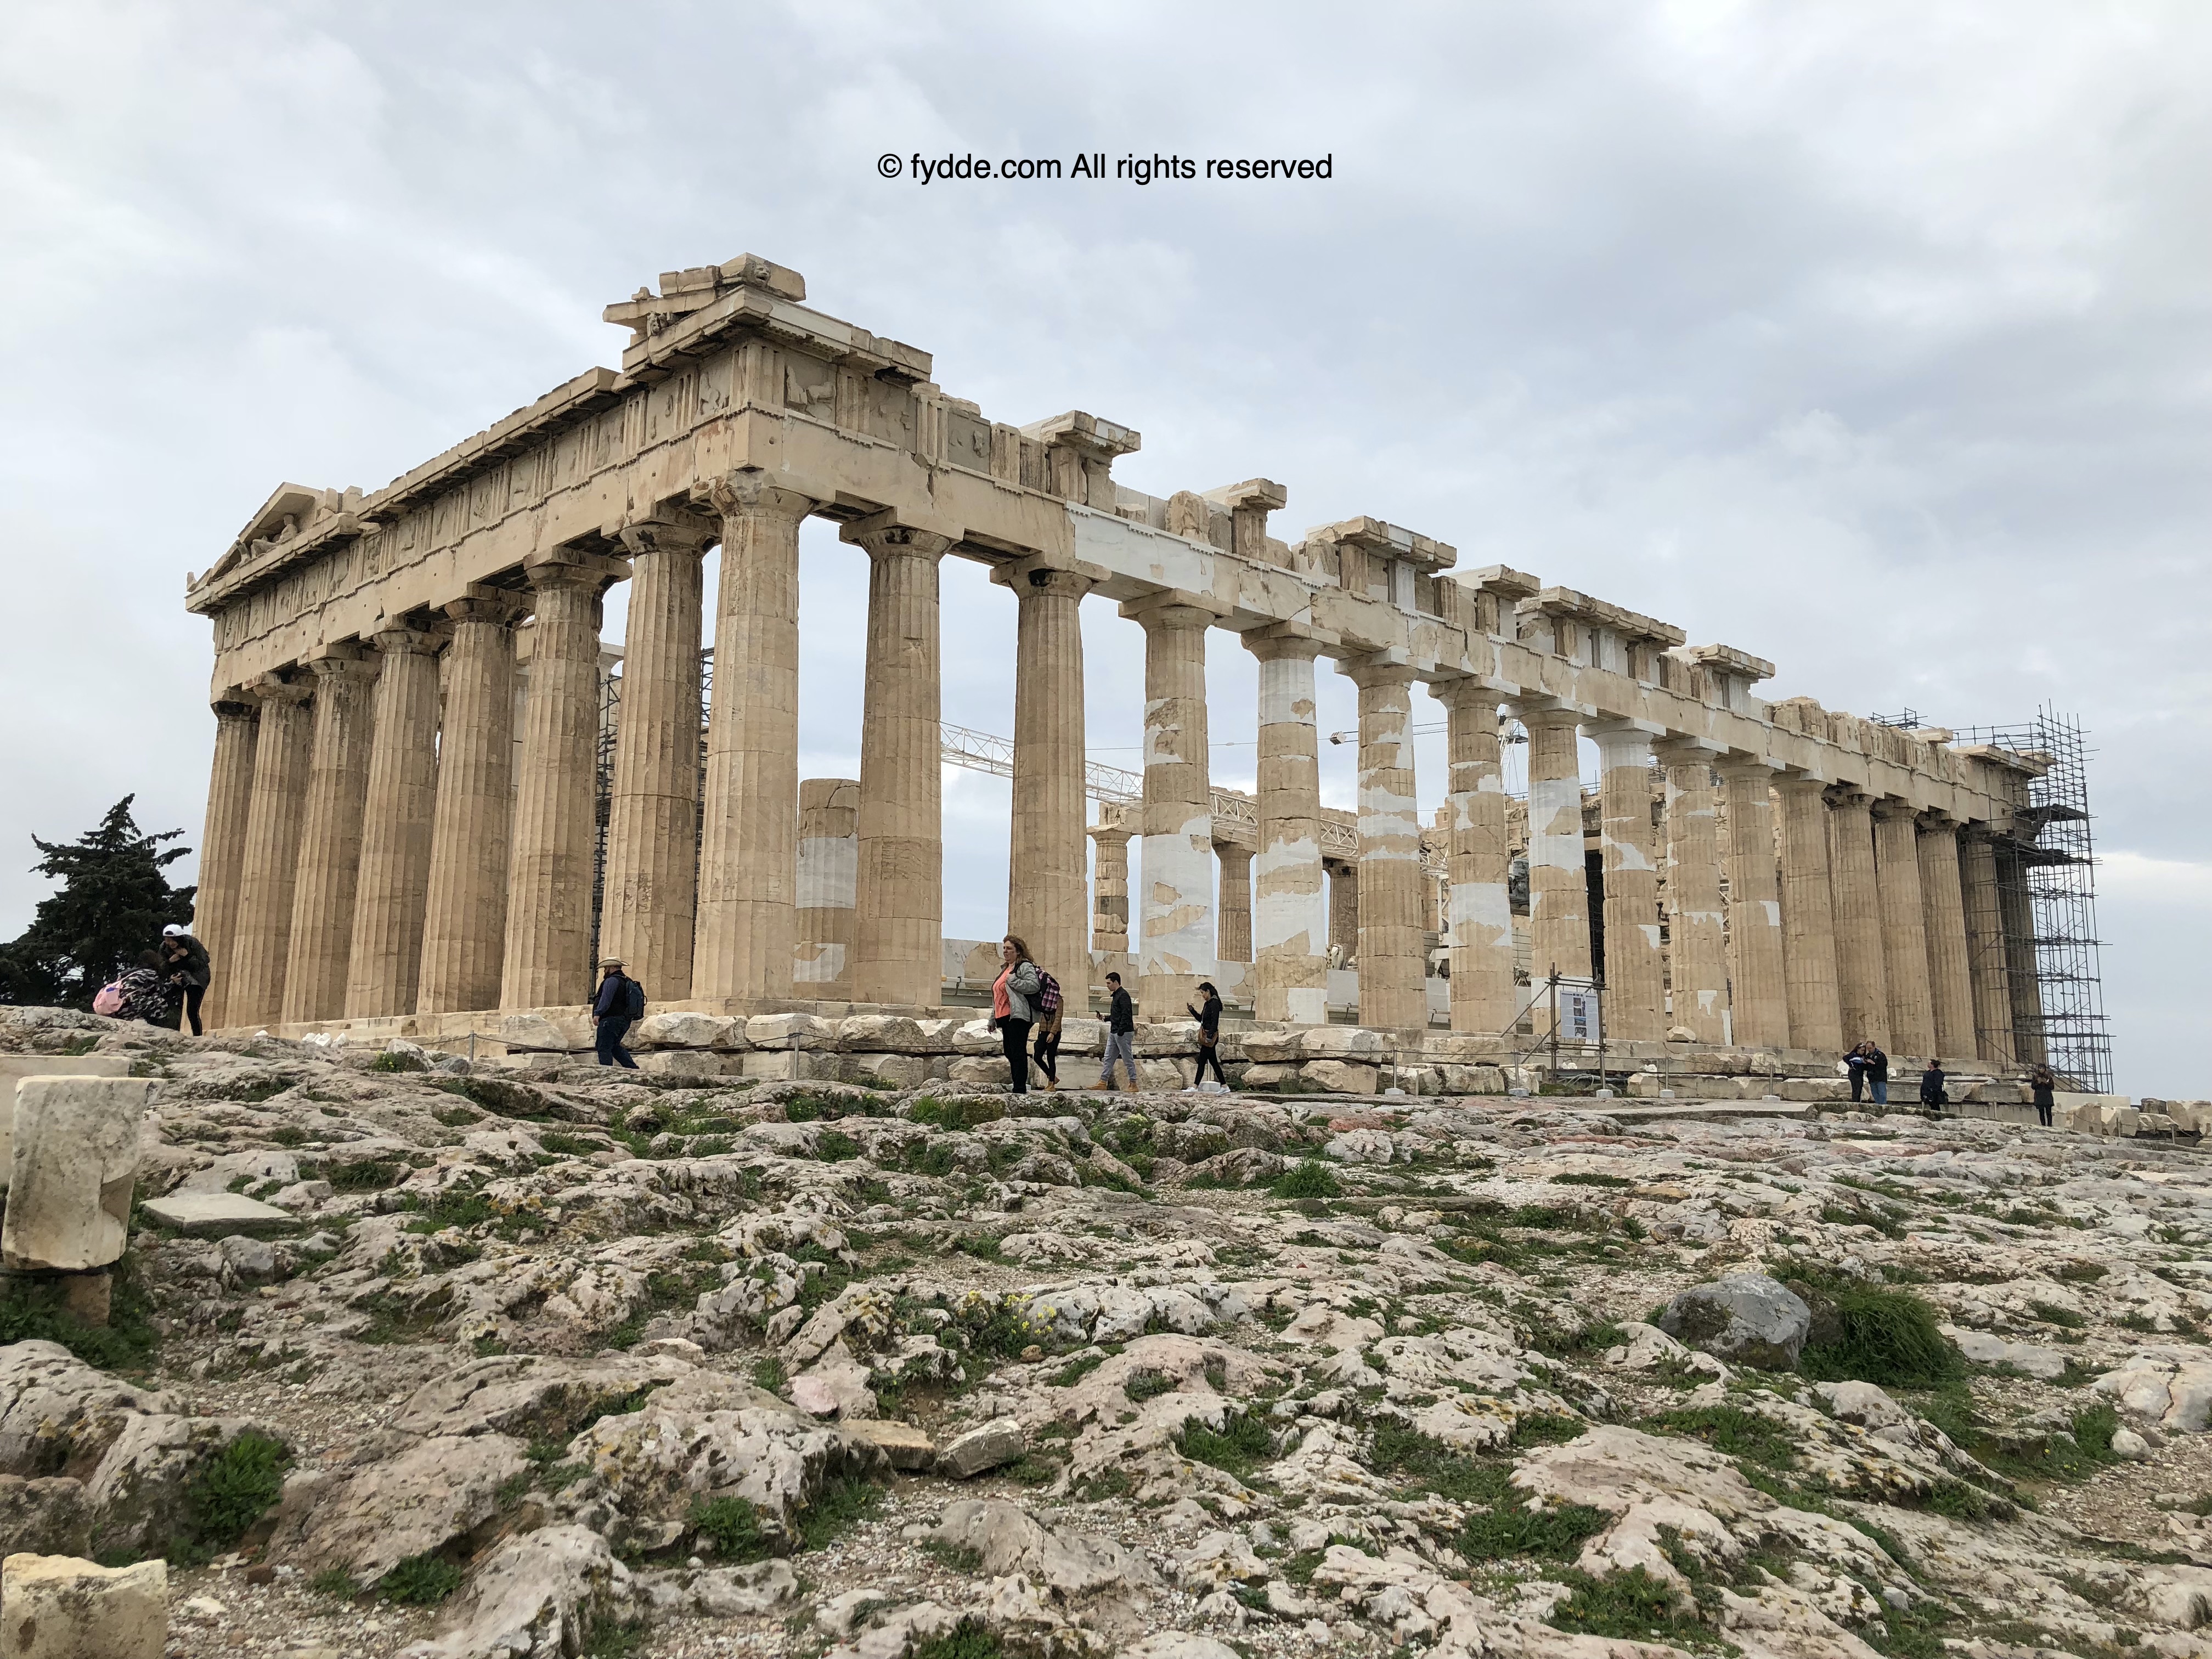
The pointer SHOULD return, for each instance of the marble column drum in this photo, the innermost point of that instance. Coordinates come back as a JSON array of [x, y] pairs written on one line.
[[1904, 931], [647, 907], [1809, 918], [465, 921], [1110, 882], [1759, 1000], [1480, 914], [1392, 991], [898, 933], [1635, 957], [1290, 913], [1696, 930], [746, 928], [223, 847], [829, 887], [282, 756], [384, 964], [330, 836], [1558, 877], [1989, 962], [1175, 917], [1861, 983], [1045, 897], [1344, 911], [1233, 914], [1950, 982]]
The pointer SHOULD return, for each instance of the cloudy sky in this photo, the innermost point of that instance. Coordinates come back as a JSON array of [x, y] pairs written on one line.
[[1869, 336]]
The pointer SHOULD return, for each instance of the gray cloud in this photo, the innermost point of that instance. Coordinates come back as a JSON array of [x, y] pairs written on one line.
[[1870, 337]]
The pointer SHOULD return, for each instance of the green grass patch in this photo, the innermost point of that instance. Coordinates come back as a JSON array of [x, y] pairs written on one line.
[[1879, 1335], [390, 1061], [420, 1581], [1736, 1432], [963, 1112], [733, 1527], [966, 1640], [836, 1146], [1242, 1446], [1308, 1178], [335, 1583], [1632, 1606], [233, 1489], [1590, 1178], [839, 1506], [31, 1310]]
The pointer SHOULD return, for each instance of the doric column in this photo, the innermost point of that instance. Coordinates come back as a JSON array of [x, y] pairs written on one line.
[[384, 963], [1759, 1002], [1861, 983], [223, 847], [1988, 963], [472, 836], [1175, 941], [2022, 979], [547, 962], [1109, 903], [828, 884], [1634, 960], [898, 934], [1289, 921], [1950, 984], [1046, 867], [1480, 913], [653, 804], [1696, 935], [1344, 910], [1233, 918], [1393, 992], [749, 854], [1808, 917], [282, 755], [330, 836], [1559, 878], [1903, 930]]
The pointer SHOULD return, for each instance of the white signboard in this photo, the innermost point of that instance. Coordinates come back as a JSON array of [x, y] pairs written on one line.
[[1577, 1016]]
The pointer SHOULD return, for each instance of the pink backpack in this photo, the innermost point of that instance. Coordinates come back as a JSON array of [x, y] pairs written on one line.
[[109, 1001]]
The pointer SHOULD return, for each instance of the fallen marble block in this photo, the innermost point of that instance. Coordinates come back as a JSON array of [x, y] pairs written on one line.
[[74, 1158]]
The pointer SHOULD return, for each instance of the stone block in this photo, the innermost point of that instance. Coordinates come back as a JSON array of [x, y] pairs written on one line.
[[1266, 1076], [1340, 1042], [1177, 1036], [686, 1062], [547, 1029], [983, 1073], [1473, 1080], [908, 1448], [46, 1517], [1273, 1047], [1814, 1088], [1462, 1048], [882, 1034], [991, 1446], [1748, 1318], [790, 1030], [74, 1158], [213, 1215], [892, 1071], [975, 1036], [1342, 1076], [14, 1068], [1160, 1074], [1083, 1036], [57, 1607], [681, 1030]]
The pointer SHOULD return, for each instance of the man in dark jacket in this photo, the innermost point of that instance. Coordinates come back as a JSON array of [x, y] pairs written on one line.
[[185, 965], [1931, 1089], [1121, 1035], [621, 1001], [1877, 1074]]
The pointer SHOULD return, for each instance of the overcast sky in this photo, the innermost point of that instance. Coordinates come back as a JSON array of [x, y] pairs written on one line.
[[1871, 337]]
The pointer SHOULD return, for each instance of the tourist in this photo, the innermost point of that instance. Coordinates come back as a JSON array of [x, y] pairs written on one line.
[[1049, 1012], [2042, 1088], [1013, 1007], [1855, 1068], [1877, 1073], [1121, 1035], [621, 1001], [1931, 1089], [185, 963], [145, 992], [1208, 1016]]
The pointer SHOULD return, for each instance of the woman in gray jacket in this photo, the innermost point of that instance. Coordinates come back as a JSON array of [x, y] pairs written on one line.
[[1013, 1007]]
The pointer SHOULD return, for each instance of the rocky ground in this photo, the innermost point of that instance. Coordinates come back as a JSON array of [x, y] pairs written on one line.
[[578, 1363]]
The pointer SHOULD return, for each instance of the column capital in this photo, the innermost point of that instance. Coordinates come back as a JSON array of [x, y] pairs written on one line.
[[1674, 750], [1032, 577], [1887, 807], [1168, 610], [1798, 785], [1377, 669], [1550, 713], [1111, 834], [749, 492], [685, 533], [1283, 642], [483, 604], [343, 662], [234, 703], [1845, 796], [1465, 690], [1748, 768], [882, 536], [1936, 821], [1622, 742], [568, 567], [271, 689]]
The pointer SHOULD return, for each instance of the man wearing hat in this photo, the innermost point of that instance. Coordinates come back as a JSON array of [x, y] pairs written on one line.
[[620, 1001]]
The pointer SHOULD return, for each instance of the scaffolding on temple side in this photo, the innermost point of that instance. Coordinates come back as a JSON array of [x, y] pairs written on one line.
[[2032, 919]]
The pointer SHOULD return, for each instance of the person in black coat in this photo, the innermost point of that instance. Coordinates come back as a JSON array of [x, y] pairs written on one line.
[[1208, 1016], [183, 962], [1931, 1089], [2043, 1089]]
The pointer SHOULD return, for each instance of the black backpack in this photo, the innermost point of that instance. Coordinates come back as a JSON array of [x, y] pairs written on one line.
[[632, 998]]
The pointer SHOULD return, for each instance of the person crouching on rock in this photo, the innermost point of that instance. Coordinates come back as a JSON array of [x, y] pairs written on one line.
[[1013, 1007]]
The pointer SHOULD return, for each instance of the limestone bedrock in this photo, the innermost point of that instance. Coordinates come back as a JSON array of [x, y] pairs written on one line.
[[56, 1607]]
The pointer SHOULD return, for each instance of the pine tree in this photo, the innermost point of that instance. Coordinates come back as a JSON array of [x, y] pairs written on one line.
[[113, 902]]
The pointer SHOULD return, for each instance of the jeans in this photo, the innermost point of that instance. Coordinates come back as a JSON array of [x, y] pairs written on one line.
[[1122, 1045], [1881, 1087], [1208, 1057], [193, 996], [1048, 1053], [612, 1029], [1014, 1034]]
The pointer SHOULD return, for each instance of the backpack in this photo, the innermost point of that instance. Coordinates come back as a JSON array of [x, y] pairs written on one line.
[[632, 998], [1047, 999], [109, 1001]]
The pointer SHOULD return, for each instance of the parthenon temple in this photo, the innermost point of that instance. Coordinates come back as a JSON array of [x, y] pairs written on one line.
[[403, 827]]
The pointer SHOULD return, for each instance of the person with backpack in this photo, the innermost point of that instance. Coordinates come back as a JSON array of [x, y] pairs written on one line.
[[1013, 1007], [137, 993], [1931, 1089], [1208, 1016], [184, 961], [1048, 1016], [1121, 1036], [619, 1006]]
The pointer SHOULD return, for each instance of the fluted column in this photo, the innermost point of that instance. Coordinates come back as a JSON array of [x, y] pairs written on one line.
[[1862, 981], [282, 756], [1481, 908], [1110, 888], [749, 855], [547, 960], [898, 933], [1759, 1002], [1290, 917], [385, 958], [829, 887], [1045, 871], [653, 808], [1988, 963], [1950, 984], [2022, 979], [330, 836], [1233, 918], [471, 836], [223, 848], [1634, 960], [1344, 910], [1174, 943], [1808, 917], [1696, 935], [1558, 877], [1903, 930], [1393, 992]]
